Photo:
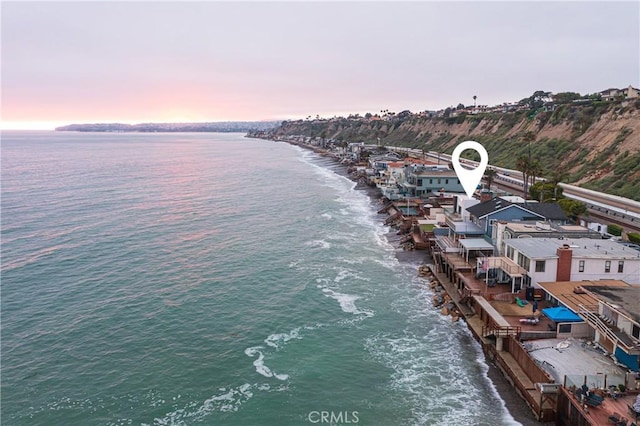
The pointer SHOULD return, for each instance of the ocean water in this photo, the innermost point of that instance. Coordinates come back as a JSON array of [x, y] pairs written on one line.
[[211, 279]]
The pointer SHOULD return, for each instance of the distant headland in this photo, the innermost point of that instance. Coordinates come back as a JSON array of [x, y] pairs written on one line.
[[221, 126]]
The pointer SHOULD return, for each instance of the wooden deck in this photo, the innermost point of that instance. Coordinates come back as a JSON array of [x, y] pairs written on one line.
[[600, 415], [512, 312], [452, 292], [478, 286]]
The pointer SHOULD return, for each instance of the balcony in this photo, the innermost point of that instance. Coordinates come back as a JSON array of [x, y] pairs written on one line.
[[507, 265], [619, 338]]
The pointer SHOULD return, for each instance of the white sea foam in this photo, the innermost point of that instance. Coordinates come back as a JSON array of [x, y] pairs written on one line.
[[318, 244], [278, 340], [348, 273], [294, 263], [229, 400], [259, 364], [326, 216], [347, 302]]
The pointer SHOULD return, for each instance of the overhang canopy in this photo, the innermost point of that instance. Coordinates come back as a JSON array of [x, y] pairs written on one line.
[[475, 244]]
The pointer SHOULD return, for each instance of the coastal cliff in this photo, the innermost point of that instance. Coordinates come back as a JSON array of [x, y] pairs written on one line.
[[594, 144]]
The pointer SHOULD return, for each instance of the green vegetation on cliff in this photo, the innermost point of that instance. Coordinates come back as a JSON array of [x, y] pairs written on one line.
[[591, 143]]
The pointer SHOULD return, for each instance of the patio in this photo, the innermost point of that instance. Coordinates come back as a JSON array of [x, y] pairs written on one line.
[[479, 286], [513, 313]]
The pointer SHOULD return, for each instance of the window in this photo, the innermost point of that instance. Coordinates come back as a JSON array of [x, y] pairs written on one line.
[[635, 331], [510, 252], [620, 266], [607, 266], [446, 181], [524, 261], [564, 328], [419, 182], [581, 266], [430, 180], [540, 264], [439, 181]]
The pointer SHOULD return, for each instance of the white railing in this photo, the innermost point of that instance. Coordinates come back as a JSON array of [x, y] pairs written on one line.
[[590, 315]]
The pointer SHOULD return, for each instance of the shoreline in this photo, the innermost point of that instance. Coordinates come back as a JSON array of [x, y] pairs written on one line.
[[515, 405]]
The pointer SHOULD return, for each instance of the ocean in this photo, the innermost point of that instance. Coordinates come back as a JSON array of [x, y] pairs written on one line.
[[213, 279]]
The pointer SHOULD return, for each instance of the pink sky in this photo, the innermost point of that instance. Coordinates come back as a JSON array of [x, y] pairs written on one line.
[[135, 62]]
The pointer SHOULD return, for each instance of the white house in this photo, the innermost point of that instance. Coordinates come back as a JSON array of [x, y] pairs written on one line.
[[504, 230], [554, 259]]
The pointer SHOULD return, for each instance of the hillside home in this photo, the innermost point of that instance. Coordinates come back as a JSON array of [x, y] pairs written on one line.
[[631, 93], [610, 94], [553, 259]]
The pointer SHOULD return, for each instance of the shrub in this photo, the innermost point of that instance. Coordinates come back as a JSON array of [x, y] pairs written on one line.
[[614, 229]]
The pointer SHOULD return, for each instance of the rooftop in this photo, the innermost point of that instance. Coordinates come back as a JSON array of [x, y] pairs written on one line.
[[475, 244], [621, 298], [538, 248], [550, 211], [538, 227], [428, 171], [570, 357], [566, 291]]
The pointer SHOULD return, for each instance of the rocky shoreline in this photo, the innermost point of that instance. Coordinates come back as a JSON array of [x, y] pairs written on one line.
[[516, 406]]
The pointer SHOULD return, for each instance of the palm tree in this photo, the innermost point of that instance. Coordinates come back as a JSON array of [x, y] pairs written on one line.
[[525, 163], [555, 178], [489, 175], [535, 170], [529, 137], [522, 164], [474, 100]]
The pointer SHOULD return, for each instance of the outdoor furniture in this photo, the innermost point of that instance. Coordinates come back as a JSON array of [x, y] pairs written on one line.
[[521, 302], [633, 411], [614, 393], [594, 400], [617, 419]]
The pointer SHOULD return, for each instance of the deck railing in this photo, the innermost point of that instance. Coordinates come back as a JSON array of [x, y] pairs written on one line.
[[590, 314], [500, 331]]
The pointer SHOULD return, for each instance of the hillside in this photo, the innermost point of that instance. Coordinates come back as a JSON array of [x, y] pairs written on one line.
[[594, 144]]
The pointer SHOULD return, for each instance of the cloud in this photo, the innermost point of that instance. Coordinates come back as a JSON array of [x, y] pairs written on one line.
[[93, 61]]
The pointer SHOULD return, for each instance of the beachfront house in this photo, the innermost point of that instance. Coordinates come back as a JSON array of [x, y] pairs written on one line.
[[503, 230], [488, 213], [553, 259], [616, 321], [611, 310], [387, 179], [422, 180]]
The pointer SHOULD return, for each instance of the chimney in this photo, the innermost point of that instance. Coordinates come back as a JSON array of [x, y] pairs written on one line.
[[565, 254], [485, 196]]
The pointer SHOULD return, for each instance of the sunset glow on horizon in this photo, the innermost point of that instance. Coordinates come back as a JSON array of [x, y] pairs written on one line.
[[140, 62]]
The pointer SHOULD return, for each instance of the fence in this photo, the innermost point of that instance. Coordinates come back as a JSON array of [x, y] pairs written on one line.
[[528, 364]]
